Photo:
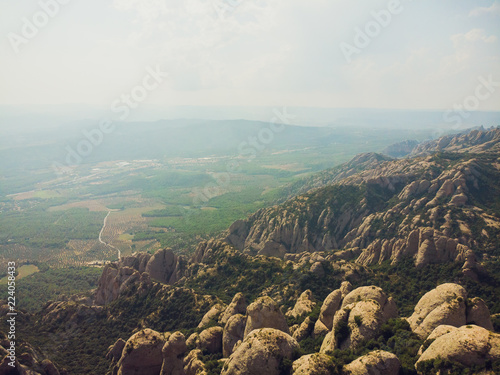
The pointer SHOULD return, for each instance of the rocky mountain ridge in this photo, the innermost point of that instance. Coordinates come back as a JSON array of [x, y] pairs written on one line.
[[432, 208], [293, 289]]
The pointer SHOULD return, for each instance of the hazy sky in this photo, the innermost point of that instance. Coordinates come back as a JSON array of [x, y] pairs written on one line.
[[426, 54]]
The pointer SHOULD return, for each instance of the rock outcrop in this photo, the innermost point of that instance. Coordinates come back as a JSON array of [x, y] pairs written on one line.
[[304, 330], [193, 365], [262, 352], [142, 354], [443, 305], [475, 141], [237, 306], [113, 281], [330, 306], [479, 314], [265, 313], [437, 332], [362, 313], [212, 314], [233, 333], [467, 345], [377, 362], [418, 223], [29, 362], [211, 340], [172, 354], [312, 364], [304, 305], [115, 351], [166, 267]]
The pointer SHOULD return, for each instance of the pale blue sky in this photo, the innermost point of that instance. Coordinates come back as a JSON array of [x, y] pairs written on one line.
[[262, 53]]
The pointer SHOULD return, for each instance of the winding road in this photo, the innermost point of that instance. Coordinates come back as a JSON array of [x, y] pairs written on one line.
[[105, 243]]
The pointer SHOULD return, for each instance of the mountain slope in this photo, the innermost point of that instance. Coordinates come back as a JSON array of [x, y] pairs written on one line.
[[346, 285], [433, 208]]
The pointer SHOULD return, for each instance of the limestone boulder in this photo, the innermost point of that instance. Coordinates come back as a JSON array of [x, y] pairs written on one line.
[[211, 340], [212, 314], [319, 329], [442, 305], [265, 313], [304, 330], [359, 320], [479, 314], [304, 305], [142, 354], [374, 293], [378, 362], [345, 288], [193, 365], [262, 352], [193, 341], [467, 345], [330, 306], [312, 364], [115, 351], [172, 353], [233, 333], [438, 332], [113, 281], [237, 306], [318, 269], [165, 266]]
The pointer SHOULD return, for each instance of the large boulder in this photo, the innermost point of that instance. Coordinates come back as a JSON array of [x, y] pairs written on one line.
[[211, 340], [193, 365], [442, 305], [374, 293], [467, 345], [362, 313], [377, 362], [115, 351], [304, 330], [438, 332], [313, 364], [142, 354], [173, 352], [233, 332], [479, 314], [304, 305], [265, 313], [113, 281], [330, 306], [319, 329], [345, 288], [165, 267], [212, 315], [237, 306], [264, 351]]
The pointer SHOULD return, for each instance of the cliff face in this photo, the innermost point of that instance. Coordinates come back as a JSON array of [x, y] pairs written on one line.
[[164, 266], [433, 208]]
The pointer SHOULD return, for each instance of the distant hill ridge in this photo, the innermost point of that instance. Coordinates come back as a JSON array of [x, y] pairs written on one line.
[[433, 208]]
